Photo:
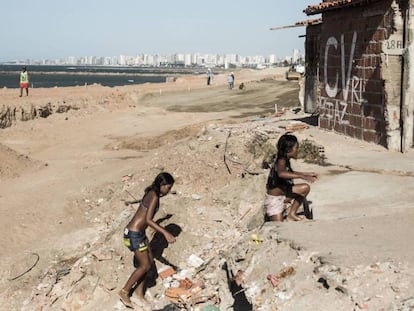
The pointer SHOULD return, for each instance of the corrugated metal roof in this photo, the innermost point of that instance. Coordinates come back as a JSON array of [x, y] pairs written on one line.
[[334, 5]]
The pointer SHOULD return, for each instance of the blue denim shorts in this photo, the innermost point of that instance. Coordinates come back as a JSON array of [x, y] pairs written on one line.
[[135, 240]]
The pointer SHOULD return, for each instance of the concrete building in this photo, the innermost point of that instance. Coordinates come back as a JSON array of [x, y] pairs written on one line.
[[359, 70]]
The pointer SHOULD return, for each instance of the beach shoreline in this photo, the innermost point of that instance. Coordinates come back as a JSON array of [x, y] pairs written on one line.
[[44, 76]]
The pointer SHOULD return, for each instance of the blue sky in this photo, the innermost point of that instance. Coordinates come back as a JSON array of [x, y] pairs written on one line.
[[57, 29]]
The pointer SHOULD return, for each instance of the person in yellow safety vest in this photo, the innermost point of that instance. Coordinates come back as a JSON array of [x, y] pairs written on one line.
[[24, 81]]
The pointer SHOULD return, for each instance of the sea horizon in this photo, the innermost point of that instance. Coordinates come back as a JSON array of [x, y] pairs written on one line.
[[46, 76]]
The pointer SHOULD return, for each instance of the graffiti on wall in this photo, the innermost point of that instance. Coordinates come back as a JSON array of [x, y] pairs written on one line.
[[351, 88]]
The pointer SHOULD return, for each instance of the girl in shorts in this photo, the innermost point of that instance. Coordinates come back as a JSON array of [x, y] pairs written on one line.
[[136, 240], [280, 187]]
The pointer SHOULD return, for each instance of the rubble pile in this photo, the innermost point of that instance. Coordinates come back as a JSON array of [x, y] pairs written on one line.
[[225, 257]]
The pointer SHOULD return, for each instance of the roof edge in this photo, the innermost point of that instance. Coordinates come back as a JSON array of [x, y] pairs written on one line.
[[334, 5]]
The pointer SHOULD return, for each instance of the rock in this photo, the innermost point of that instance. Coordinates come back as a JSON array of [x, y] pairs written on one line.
[[196, 197]]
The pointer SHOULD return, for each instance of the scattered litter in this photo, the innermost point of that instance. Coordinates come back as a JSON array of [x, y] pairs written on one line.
[[279, 112], [285, 272], [256, 238], [186, 283], [29, 269], [210, 308], [101, 255], [295, 126], [126, 178], [184, 293], [196, 197], [195, 261], [202, 267], [275, 282], [244, 215]]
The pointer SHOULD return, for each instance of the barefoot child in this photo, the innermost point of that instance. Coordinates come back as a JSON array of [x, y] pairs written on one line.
[[136, 240], [280, 187]]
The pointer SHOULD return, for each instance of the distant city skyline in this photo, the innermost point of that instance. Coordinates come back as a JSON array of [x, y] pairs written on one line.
[[51, 30], [180, 59]]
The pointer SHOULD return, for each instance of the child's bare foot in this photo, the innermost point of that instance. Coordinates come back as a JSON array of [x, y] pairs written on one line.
[[124, 296], [140, 297], [144, 304], [294, 218], [141, 300]]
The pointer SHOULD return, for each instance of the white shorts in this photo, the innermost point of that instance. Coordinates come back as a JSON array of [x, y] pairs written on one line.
[[274, 205]]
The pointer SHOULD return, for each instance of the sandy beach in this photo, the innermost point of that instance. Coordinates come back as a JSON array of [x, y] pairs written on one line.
[[65, 180]]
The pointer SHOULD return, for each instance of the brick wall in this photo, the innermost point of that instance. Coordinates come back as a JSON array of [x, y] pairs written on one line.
[[353, 99]]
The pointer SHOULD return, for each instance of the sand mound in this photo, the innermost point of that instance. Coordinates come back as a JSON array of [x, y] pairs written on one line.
[[149, 143], [12, 164]]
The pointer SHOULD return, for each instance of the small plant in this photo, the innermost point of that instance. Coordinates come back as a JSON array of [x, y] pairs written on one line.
[[311, 152]]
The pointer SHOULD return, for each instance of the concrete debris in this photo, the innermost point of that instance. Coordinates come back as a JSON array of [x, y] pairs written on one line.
[[294, 126], [195, 261]]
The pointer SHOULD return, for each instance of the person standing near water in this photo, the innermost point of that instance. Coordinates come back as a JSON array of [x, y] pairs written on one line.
[[24, 81]]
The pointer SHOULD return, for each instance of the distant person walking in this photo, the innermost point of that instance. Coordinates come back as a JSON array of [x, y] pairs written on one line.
[[209, 76], [230, 80], [24, 81]]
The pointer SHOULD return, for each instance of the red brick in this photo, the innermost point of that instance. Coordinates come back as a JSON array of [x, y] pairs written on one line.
[[354, 132], [374, 23], [340, 128], [363, 72], [376, 61], [355, 120], [371, 136], [379, 35], [333, 61], [166, 273], [375, 84], [325, 123], [370, 123], [355, 109], [373, 99], [374, 48]]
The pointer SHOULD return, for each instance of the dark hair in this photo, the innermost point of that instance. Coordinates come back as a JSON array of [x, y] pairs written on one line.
[[285, 145], [161, 180]]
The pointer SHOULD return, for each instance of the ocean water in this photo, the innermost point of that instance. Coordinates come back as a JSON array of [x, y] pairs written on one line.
[[60, 76]]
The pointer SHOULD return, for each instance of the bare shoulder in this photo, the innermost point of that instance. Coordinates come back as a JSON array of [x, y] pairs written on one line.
[[150, 198], [281, 162]]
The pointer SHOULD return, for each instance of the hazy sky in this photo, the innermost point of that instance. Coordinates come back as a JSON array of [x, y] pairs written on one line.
[[57, 29]]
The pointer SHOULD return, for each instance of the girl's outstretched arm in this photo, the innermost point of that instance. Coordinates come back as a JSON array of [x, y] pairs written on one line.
[[149, 218], [283, 173], [309, 176]]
